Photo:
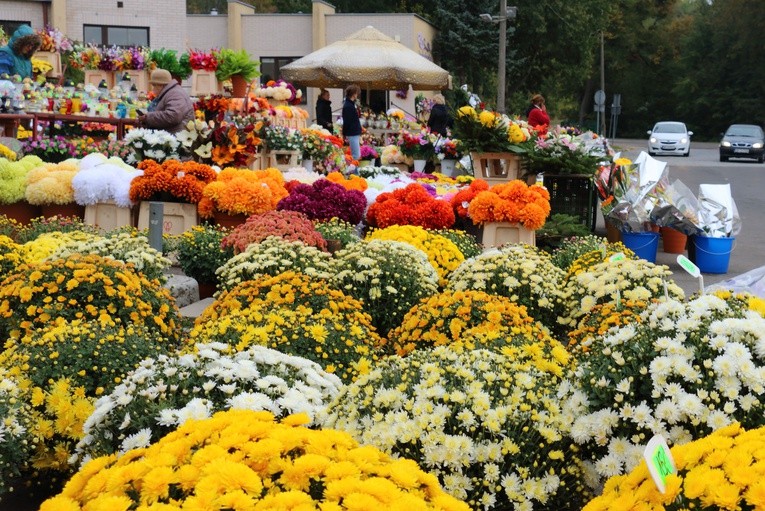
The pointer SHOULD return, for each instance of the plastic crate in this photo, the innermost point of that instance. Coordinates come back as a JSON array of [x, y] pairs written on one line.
[[108, 216], [496, 234], [178, 217], [573, 195]]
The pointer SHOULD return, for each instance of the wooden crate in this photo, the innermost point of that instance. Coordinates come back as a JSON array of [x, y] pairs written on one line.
[[54, 59], [496, 234], [178, 217], [282, 160], [139, 77], [108, 216], [204, 83], [94, 77], [496, 168]]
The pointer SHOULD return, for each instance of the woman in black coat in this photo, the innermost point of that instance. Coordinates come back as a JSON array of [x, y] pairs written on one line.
[[324, 110], [439, 119]]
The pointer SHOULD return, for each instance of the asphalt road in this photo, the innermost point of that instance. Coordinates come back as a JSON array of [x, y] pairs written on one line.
[[747, 180]]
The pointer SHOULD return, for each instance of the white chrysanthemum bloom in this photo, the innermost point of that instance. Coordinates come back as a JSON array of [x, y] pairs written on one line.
[[140, 439]]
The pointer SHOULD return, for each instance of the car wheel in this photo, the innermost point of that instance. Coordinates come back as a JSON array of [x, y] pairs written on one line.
[[687, 153], [761, 159]]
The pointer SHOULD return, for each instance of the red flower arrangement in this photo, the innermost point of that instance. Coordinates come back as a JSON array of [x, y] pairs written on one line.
[[461, 200], [171, 181], [242, 191], [324, 200], [289, 225], [214, 107], [514, 202], [412, 205], [203, 60]]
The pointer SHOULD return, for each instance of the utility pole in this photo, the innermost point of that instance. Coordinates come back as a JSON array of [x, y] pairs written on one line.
[[602, 128], [502, 56]]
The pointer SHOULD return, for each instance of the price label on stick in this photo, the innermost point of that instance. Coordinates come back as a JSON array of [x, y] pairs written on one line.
[[692, 270], [619, 256], [660, 462]]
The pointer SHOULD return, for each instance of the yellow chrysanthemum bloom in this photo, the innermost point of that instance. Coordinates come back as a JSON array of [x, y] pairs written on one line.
[[487, 118], [468, 111]]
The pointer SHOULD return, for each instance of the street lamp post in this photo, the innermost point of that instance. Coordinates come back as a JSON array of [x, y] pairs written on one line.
[[505, 13]]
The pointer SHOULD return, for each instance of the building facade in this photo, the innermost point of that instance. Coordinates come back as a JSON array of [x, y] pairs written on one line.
[[274, 39]]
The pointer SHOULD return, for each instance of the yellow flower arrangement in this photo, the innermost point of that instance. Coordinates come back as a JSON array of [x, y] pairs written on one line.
[[45, 245], [521, 273], [40, 67], [466, 320], [244, 460], [297, 315], [243, 191], [83, 287], [51, 183], [493, 432], [721, 471], [388, 277], [442, 253]]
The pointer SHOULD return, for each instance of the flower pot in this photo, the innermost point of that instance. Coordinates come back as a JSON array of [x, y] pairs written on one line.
[[238, 86], [308, 165], [496, 234], [449, 167], [230, 221], [22, 211], [69, 210], [206, 289], [334, 245], [419, 165], [644, 244], [673, 241], [613, 234], [712, 255]]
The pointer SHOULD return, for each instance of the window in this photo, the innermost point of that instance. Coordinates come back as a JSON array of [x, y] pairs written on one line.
[[270, 70], [105, 35], [10, 26]]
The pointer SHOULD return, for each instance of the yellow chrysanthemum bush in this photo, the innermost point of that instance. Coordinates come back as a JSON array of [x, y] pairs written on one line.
[[180, 387], [84, 287], [609, 281], [683, 371], [10, 257], [492, 430], [474, 319], [602, 318], [586, 259], [51, 183], [244, 460], [46, 244], [442, 253], [722, 471], [295, 314], [388, 277], [273, 256], [573, 248], [521, 273]]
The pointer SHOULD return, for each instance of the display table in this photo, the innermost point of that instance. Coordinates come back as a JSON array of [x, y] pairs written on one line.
[[11, 121]]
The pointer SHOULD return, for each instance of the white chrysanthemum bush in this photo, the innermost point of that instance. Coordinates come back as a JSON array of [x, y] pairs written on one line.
[[492, 430], [388, 277], [167, 391], [683, 371], [522, 273]]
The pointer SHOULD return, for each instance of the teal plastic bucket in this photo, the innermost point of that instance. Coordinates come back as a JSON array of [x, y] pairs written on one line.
[[644, 244], [713, 254]]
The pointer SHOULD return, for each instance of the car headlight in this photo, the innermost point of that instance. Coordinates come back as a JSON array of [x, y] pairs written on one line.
[[653, 140], [725, 143], [683, 140], [757, 145]]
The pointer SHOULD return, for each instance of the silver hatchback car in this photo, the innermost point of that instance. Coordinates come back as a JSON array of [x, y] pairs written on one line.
[[669, 137]]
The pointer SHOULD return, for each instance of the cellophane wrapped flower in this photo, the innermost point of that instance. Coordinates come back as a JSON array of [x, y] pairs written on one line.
[[181, 387], [514, 202], [184, 181], [388, 277], [147, 144], [412, 205], [122, 246], [492, 430], [522, 273], [13, 178], [273, 256], [465, 320], [200, 253], [444, 255], [684, 371], [51, 183], [320, 469], [609, 281], [295, 314], [243, 191], [288, 225], [720, 471], [102, 179], [86, 287], [324, 200]]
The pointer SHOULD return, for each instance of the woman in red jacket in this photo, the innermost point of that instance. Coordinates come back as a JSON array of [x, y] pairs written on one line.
[[538, 112]]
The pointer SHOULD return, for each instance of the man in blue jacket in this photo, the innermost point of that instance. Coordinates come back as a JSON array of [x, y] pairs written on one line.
[[16, 56]]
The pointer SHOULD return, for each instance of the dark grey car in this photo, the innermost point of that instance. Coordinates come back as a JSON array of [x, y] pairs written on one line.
[[743, 141]]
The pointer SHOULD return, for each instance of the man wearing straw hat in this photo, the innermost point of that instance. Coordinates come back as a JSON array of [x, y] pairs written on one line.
[[172, 108]]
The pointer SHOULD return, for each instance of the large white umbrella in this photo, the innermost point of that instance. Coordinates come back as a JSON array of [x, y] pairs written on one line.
[[370, 59]]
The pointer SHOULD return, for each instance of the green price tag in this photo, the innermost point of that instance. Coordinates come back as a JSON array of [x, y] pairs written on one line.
[[619, 256], [660, 462], [688, 266]]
